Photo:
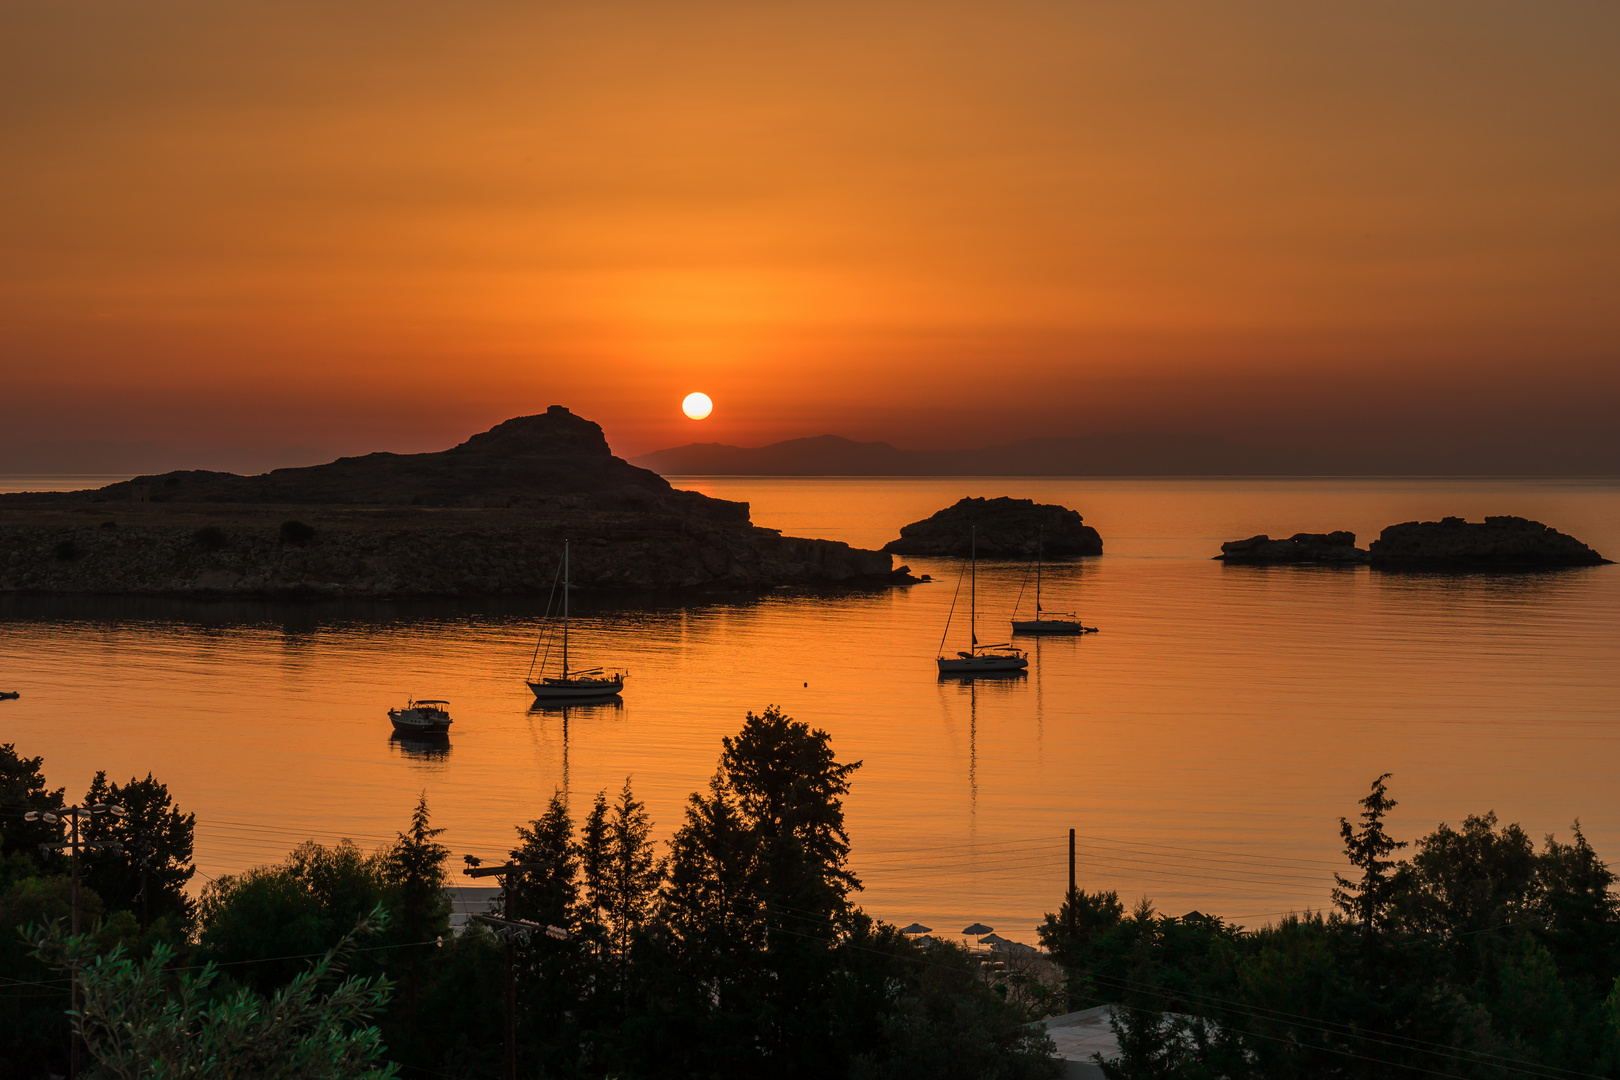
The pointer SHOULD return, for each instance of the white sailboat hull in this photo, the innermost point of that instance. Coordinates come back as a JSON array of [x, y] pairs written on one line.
[[982, 664], [1050, 626], [578, 688]]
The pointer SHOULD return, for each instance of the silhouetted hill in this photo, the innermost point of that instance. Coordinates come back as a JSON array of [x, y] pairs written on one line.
[[486, 517], [555, 460]]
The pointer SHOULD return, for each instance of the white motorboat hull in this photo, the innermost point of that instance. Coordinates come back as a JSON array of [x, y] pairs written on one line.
[[411, 722], [577, 689]]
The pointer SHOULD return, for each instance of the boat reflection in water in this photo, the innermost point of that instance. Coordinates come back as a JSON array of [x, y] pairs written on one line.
[[563, 710], [421, 747]]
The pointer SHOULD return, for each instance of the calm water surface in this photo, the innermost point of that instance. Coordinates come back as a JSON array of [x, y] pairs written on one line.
[[1204, 744]]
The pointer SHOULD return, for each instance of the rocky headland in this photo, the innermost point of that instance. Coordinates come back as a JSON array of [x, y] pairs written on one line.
[[1334, 548], [1497, 543], [1005, 528], [486, 517]]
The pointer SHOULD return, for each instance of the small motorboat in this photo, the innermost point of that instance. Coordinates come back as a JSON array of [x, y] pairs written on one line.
[[9, 695], [425, 717]]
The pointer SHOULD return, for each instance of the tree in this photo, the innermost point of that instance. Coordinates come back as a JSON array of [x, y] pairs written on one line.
[[1368, 901], [415, 866], [148, 875], [414, 869], [633, 872], [298, 908], [551, 974], [756, 906], [594, 860], [139, 1019], [22, 788]]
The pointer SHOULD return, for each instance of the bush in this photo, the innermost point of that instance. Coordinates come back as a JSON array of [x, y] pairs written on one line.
[[212, 538], [296, 533], [65, 551]]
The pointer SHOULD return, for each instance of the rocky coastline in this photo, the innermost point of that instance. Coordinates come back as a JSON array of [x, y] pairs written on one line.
[[487, 517], [1001, 528]]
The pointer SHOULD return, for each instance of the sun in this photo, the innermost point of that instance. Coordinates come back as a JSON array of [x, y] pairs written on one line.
[[697, 406]]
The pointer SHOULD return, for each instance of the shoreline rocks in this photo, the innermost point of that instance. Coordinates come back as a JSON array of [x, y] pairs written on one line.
[[1335, 548], [1497, 543], [449, 559], [1006, 528]]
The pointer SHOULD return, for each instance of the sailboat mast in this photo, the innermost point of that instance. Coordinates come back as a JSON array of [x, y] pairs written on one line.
[[565, 609], [973, 585], [1040, 543]]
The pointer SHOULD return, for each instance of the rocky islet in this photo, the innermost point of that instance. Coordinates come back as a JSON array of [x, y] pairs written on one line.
[[999, 528], [1452, 543]]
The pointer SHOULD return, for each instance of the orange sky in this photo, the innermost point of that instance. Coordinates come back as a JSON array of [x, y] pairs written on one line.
[[366, 225]]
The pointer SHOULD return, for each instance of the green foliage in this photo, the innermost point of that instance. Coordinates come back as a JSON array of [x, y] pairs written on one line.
[[294, 910], [34, 1000], [22, 788], [633, 872], [941, 1022], [150, 871], [1478, 957], [1368, 848], [141, 1021]]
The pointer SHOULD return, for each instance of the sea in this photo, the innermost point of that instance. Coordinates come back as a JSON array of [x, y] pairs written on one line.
[[1203, 745]]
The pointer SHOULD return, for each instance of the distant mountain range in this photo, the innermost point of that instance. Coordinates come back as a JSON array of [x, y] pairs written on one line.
[[1122, 455]]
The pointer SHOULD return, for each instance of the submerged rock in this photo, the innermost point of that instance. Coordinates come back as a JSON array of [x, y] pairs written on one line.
[[1006, 527], [1497, 543], [1334, 547]]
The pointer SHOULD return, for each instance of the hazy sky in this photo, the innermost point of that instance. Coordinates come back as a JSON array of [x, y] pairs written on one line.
[[364, 225]]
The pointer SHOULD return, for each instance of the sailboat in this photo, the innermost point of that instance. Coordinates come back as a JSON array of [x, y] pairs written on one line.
[[574, 684], [979, 659], [1042, 623]]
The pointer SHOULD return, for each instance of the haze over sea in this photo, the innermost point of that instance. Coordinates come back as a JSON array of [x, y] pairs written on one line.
[[1204, 743]]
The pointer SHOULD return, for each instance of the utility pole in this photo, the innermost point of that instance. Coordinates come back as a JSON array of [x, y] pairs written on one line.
[[72, 845], [511, 928], [1071, 884]]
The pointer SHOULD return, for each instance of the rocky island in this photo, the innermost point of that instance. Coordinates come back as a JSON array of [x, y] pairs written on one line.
[[1497, 543], [1334, 548], [485, 517], [1006, 528]]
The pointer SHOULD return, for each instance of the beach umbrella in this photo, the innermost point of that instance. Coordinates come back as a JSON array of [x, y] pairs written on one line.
[[993, 940], [977, 929], [916, 928]]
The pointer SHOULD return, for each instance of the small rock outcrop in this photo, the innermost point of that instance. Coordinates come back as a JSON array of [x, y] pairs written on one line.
[[1338, 548], [1006, 527], [1497, 543]]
